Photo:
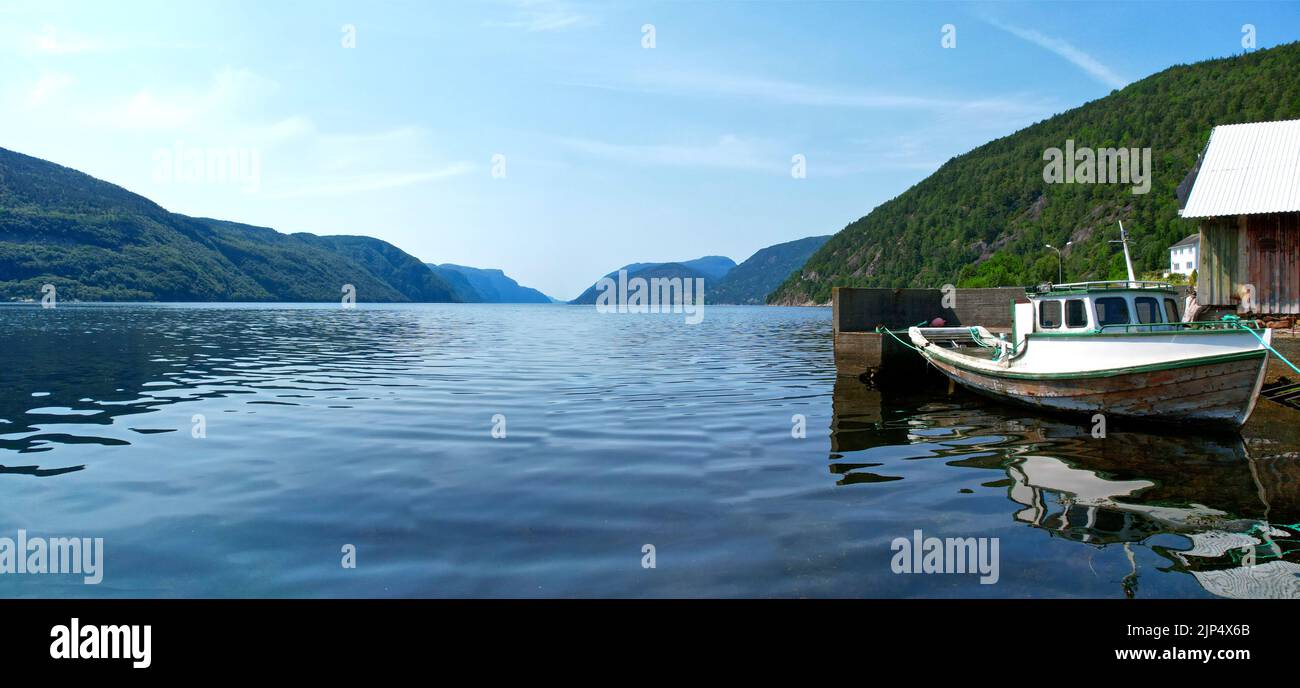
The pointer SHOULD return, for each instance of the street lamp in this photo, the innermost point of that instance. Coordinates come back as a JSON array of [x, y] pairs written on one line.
[[1060, 277]]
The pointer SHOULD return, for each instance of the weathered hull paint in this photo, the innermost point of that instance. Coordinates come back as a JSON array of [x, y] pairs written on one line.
[[1215, 392]]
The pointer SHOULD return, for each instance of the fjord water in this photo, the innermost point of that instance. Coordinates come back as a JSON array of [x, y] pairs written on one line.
[[374, 427]]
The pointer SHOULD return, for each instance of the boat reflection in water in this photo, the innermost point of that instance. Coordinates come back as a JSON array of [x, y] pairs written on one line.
[[1234, 499]]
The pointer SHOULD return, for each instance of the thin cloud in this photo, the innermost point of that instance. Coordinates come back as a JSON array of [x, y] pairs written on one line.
[[544, 15], [697, 83], [1065, 49], [227, 93], [731, 152], [51, 41], [343, 185], [728, 152], [47, 87]]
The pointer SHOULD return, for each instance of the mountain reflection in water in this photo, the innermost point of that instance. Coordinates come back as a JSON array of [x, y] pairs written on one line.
[[1235, 498]]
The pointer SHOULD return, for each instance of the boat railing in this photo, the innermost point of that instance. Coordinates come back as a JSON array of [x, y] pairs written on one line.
[[1104, 284], [1169, 327]]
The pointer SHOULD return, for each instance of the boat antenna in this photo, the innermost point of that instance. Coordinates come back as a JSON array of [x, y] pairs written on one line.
[[1128, 261]]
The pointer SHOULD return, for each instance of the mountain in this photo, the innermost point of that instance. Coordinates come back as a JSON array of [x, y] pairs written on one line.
[[710, 268], [99, 242], [488, 285], [461, 289], [713, 267], [751, 281], [982, 219]]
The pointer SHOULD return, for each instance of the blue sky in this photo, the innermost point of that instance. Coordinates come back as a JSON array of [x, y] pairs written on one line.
[[613, 152]]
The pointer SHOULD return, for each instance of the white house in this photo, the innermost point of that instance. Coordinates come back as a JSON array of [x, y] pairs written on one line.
[[1184, 254]]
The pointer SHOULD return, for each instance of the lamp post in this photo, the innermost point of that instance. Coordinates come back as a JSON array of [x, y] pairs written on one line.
[[1060, 276]]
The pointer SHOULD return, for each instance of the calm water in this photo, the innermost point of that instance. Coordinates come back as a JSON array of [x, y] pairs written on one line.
[[373, 427]]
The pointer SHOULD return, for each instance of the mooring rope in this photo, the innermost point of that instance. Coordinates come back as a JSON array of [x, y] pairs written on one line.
[[1241, 324], [886, 330]]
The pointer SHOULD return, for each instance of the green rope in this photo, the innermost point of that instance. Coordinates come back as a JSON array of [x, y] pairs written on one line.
[[1242, 325], [975, 335], [882, 328], [1009, 351]]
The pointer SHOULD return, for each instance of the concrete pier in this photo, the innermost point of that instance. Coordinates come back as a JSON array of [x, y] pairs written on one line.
[[860, 351]]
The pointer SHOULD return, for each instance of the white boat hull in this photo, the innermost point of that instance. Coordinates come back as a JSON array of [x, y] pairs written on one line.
[[1197, 377]]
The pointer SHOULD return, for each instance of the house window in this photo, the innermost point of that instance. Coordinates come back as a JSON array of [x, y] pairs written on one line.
[[1049, 315], [1112, 310], [1075, 313]]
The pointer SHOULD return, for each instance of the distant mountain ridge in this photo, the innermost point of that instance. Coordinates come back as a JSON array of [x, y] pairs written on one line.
[[760, 274], [96, 241], [487, 285], [709, 268]]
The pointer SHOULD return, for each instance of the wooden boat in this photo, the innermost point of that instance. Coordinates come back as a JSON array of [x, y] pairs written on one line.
[[1115, 348]]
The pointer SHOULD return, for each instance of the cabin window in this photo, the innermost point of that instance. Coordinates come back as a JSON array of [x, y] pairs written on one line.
[[1148, 309], [1112, 310], [1075, 313], [1049, 315], [1171, 311]]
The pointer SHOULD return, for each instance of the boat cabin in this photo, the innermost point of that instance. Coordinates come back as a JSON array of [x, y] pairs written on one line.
[[1087, 307]]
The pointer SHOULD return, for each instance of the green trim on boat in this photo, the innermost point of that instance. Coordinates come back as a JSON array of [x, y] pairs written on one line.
[[1110, 372], [1131, 333]]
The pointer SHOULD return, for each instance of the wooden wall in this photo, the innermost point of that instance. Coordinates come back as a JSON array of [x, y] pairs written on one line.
[[1251, 256]]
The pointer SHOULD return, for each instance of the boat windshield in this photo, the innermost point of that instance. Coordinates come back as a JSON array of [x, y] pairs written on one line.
[[1076, 315], [1049, 315], [1112, 310], [1171, 311], [1148, 309]]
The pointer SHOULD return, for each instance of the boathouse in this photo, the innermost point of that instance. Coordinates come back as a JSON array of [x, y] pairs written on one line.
[[1245, 192]]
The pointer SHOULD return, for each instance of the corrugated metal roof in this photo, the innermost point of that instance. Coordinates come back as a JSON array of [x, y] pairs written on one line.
[[1248, 169]]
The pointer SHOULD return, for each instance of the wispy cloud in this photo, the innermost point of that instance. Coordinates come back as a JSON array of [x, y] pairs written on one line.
[[298, 159], [731, 152], [1067, 50], [728, 152], [47, 87], [544, 15], [706, 84], [52, 41], [226, 94], [378, 181], [57, 41]]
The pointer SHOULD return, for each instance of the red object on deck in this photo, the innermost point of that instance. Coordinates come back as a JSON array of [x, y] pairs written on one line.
[[938, 322]]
